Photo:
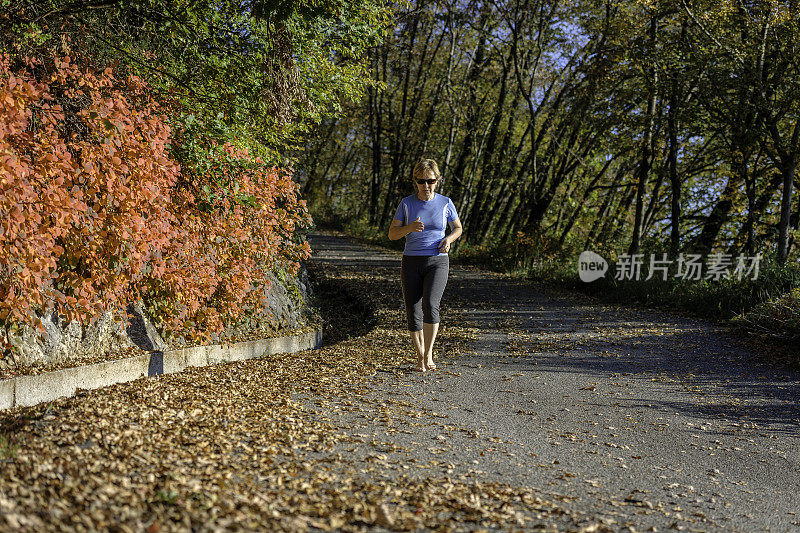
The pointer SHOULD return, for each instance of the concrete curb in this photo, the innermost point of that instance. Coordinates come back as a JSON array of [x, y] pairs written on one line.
[[30, 390]]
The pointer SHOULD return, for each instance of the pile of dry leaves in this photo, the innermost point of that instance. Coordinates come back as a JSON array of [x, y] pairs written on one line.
[[224, 447]]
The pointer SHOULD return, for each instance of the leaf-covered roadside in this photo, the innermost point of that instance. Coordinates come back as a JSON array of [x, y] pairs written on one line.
[[226, 447]]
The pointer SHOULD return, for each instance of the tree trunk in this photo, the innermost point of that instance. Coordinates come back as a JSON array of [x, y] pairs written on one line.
[[787, 173], [458, 182], [609, 233], [576, 213], [376, 126], [672, 155], [647, 143], [718, 216]]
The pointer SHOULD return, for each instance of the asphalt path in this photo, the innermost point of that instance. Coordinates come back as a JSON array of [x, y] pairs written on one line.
[[641, 420]]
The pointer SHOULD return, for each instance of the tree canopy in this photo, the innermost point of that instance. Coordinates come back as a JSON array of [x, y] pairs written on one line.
[[265, 71]]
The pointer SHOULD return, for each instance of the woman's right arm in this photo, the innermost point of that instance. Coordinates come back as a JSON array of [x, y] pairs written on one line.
[[397, 230]]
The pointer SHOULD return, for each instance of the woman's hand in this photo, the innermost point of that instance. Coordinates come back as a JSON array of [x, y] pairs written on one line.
[[444, 246]]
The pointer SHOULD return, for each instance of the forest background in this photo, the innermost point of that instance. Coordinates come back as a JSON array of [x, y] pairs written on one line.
[[667, 129], [174, 151]]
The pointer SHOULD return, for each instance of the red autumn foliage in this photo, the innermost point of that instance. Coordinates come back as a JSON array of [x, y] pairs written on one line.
[[95, 214], [237, 218]]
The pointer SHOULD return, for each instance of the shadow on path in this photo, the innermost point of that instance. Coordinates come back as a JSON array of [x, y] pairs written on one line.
[[570, 333], [614, 406]]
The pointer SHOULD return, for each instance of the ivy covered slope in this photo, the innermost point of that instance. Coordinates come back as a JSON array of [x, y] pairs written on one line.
[[142, 152]]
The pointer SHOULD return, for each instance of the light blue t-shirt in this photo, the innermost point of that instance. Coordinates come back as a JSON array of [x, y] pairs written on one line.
[[434, 215]]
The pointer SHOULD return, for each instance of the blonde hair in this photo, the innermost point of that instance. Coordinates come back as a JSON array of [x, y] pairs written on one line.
[[426, 167]]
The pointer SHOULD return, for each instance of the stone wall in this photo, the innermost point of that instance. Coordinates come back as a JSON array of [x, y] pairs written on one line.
[[286, 308]]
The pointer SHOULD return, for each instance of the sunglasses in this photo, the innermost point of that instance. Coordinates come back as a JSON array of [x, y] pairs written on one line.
[[429, 182]]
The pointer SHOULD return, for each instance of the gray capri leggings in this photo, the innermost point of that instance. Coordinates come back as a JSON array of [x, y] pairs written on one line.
[[424, 278]]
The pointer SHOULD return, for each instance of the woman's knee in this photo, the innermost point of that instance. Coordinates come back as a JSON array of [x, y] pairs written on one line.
[[415, 317], [430, 312]]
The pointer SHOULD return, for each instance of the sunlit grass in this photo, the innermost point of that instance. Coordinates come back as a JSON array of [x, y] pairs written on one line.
[[7, 448]]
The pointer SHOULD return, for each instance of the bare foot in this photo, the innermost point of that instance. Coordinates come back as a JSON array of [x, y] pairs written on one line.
[[420, 365], [430, 365]]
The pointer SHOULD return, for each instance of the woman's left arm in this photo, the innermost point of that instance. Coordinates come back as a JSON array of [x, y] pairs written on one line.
[[455, 233]]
